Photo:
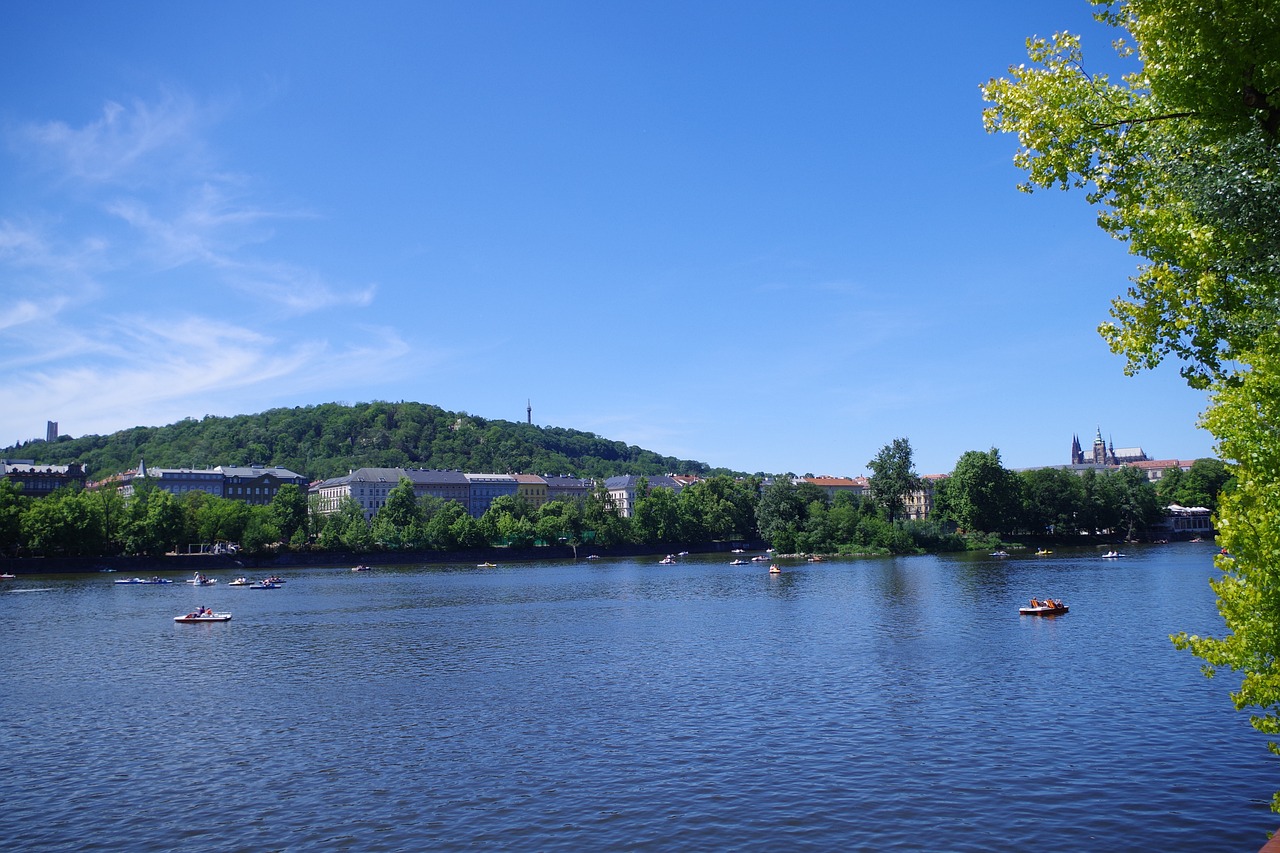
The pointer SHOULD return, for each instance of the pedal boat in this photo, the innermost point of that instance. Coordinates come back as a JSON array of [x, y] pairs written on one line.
[[207, 617]]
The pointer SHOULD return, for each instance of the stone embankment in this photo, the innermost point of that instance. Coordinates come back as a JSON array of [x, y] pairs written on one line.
[[212, 562]]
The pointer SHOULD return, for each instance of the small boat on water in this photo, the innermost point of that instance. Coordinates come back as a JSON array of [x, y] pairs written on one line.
[[593, 556], [775, 570], [760, 558], [738, 563], [266, 584], [131, 581], [1112, 555], [1043, 552], [203, 614], [486, 565], [737, 551], [667, 560], [360, 568], [236, 582], [7, 576], [816, 558], [1048, 607], [201, 580], [1000, 553]]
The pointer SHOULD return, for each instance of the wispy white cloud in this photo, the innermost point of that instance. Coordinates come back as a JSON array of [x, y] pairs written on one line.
[[147, 166], [123, 145], [102, 273], [295, 289], [159, 370]]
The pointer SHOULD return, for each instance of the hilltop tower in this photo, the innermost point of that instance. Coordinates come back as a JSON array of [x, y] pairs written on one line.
[[528, 410]]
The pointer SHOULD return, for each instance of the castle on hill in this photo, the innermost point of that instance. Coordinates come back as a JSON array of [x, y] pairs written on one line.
[[1104, 453]]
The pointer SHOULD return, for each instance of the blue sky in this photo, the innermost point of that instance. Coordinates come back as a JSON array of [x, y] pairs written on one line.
[[767, 236]]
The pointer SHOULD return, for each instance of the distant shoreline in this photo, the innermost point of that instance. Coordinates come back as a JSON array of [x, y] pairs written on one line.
[[205, 562]]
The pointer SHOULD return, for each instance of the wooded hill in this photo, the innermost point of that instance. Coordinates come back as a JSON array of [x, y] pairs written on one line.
[[330, 439]]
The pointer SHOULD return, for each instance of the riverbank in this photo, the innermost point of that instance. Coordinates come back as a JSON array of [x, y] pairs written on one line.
[[207, 562]]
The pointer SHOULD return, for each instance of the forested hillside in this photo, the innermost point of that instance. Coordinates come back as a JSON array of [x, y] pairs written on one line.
[[329, 439]]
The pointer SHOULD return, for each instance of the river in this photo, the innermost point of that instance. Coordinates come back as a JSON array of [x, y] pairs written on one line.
[[867, 704]]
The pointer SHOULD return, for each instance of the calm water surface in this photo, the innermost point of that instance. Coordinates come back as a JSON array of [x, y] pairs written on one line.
[[850, 705]]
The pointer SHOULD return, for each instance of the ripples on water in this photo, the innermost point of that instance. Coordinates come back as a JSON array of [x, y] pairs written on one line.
[[870, 704]]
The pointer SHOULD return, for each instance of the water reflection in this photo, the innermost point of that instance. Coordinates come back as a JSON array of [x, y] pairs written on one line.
[[845, 705]]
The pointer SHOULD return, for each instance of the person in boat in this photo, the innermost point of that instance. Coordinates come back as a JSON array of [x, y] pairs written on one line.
[[1035, 603]]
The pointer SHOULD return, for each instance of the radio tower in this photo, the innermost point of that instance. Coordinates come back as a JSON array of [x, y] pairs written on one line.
[[528, 410]]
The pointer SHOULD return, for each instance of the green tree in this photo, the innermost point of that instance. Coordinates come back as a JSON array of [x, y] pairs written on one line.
[[399, 522], [893, 477], [1179, 156], [65, 523], [216, 519], [1137, 502], [350, 530], [1249, 530], [656, 517], [12, 505], [289, 510], [601, 518], [1203, 483], [782, 514], [1182, 158], [155, 521], [1170, 485], [450, 527], [1100, 510], [981, 494], [262, 532], [1051, 500], [166, 522], [560, 520]]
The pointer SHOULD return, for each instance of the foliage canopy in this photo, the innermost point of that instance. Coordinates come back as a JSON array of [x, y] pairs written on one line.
[[330, 439], [1182, 158]]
